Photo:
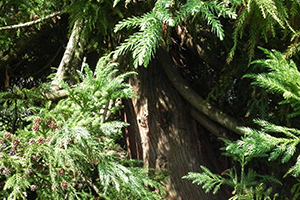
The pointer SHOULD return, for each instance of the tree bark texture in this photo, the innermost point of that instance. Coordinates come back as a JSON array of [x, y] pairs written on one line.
[[163, 133], [69, 55]]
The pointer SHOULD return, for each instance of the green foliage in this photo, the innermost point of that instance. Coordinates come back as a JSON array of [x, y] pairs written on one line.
[[265, 143], [270, 140], [95, 21], [262, 17], [296, 190], [154, 25], [207, 179], [293, 49], [17, 12], [282, 78], [143, 44], [14, 106], [95, 24], [69, 149], [211, 11], [246, 185]]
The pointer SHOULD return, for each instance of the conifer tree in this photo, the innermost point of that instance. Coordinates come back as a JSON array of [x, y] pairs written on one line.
[[69, 150], [208, 46]]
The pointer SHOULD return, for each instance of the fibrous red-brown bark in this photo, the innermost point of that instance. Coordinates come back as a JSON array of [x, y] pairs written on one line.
[[163, 133]]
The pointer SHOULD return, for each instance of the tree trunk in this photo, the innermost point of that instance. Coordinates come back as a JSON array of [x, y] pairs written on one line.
[[164, 135], [70, 60]]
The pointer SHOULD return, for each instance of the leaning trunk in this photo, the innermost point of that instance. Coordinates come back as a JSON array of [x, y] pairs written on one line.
[[163, 134]]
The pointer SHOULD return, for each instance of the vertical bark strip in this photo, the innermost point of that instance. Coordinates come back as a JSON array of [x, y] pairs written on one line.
[[168, 137], [133, 140]]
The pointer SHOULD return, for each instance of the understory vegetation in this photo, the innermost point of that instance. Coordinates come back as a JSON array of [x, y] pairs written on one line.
[[269, 141], [104, 99], [69, 149]]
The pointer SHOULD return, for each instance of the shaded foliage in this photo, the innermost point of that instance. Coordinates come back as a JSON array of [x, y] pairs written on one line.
[[67, 151], [131, 31]]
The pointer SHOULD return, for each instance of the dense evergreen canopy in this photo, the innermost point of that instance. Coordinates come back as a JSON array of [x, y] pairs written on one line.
[[89, 87]]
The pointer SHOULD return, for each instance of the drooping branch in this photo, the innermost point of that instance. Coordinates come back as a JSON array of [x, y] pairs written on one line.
[[31, 22], [192, 97]]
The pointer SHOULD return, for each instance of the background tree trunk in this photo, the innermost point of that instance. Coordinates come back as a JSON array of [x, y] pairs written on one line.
[[70, 61], [165, 136]]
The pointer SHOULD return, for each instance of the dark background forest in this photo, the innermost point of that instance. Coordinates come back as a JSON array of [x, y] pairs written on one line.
[[200, 78]]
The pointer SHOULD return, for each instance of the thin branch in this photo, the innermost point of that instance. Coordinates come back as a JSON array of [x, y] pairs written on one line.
[[31, 22]]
